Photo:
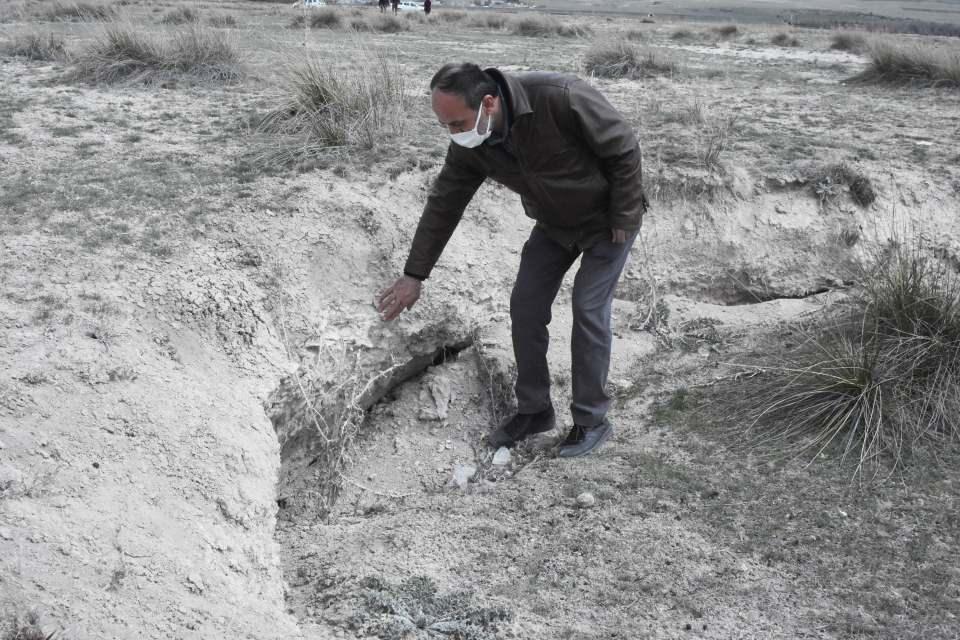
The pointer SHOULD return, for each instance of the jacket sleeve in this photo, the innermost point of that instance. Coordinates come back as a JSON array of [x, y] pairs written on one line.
[[611, 138], [449, 196]]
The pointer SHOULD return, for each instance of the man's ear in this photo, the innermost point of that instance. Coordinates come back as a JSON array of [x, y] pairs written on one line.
[[488, 103]]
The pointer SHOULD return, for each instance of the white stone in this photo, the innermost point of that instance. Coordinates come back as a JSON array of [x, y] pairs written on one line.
[[501, 457], [462, 474], [586, 500]]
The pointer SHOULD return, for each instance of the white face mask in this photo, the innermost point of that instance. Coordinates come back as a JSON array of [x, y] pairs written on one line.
[[471, 139]]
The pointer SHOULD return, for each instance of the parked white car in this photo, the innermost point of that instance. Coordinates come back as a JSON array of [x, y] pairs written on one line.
[[409, 5]]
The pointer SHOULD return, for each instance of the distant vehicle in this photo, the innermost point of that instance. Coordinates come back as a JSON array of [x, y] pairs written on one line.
[[409, 5]]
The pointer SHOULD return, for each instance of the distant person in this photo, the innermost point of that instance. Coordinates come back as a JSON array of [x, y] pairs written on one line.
[[427, 6], [383, 5], [396, 6], [575, 161]]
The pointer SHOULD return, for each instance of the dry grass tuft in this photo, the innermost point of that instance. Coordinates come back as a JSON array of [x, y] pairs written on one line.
[[911, 64], [545, 26], [181, 15], [495, 21], [452, 16], [682, 34], [880, 383], [223, 21], [37, 46], [325, 19], [333, 108], [620, 59], [833, 180], [124, 53], [78, 11], [726, 31], [848, 41], [784, 40], [28, 627]]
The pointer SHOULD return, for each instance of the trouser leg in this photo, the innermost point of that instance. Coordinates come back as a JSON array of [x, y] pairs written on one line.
[[543, 264], [593, 289]]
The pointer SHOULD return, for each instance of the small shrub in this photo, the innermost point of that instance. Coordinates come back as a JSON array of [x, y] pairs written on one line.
[[28, 627], [682, 34], [881, 382], [848, 41], [334, 108], [726, 31], [784, 40], [918, 65], [388, 24], [223, 21], [545, 26], [489, 20], [325, 19], [452, 16], [617, 59], [832, 180], [37, 46], [359, 24], [78, 11], [635, 35], [122, 53], [180, 15]]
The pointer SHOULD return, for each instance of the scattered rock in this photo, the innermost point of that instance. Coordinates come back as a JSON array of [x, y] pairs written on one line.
[[9, 476], [435, 398], [780, 209], [462, 474], [501, 457], [6, 534], [195, 583], [586, 500]]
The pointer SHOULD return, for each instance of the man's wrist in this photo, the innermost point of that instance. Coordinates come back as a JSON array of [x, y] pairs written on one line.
[[414, 276]]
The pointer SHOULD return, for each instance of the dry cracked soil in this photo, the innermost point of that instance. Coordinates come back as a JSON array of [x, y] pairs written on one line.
[[206, 431]]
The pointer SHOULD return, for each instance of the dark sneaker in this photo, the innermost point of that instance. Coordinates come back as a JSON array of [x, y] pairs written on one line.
[[582, 440], [521, 425]]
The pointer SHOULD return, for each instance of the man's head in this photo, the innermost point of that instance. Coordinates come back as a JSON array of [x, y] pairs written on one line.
[[459, 92]]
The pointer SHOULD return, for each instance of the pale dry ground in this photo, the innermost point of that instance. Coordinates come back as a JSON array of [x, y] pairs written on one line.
[[157, 287]]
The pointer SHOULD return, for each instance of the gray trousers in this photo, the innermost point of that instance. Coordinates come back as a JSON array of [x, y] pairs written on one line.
[[543, 264]]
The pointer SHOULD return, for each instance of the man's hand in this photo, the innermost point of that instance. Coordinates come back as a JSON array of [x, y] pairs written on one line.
[[618, 236], [398, 297]]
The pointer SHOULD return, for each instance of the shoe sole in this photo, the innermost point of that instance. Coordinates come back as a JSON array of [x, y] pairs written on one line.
[[603, 438]]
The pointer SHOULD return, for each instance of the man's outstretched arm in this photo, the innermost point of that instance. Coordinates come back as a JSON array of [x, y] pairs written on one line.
[[449, 196]]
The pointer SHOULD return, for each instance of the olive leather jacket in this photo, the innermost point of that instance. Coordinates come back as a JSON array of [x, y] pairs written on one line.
[[572, 157]]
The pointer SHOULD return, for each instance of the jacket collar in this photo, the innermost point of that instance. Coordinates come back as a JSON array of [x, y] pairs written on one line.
[[517, 95]]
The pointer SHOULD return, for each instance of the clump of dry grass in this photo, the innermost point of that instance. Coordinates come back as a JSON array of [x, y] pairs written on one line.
[[848, 41], [545, 26], [28, 627], [77, 11], [223, 21], [784, 39], [911, 64], [452, 16], [332, 108], [494, 21], [832, 180], [37, 46], [879, 383], [325, 18], [383, 23], [682, 34], [181, 15], [726, 31], [620, 59], [124, 53]]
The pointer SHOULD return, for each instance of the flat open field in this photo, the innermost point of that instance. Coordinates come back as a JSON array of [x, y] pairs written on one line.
[[206, 430]]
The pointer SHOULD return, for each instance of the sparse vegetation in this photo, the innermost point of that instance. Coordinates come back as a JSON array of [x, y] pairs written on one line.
[[784, 39], [223, 20], [880, 383], [78, 11], [835, 179], [489, 20], [545, 26], [911, 64], [181, 15], [27, 627], [848, 41], [333, 107], [620, 59], [726, 31], [37, 46], [123, 53], [682, 34], [452, 16]]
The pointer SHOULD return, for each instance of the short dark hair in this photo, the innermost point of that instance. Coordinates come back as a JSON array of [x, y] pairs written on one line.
[[466, 80]]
